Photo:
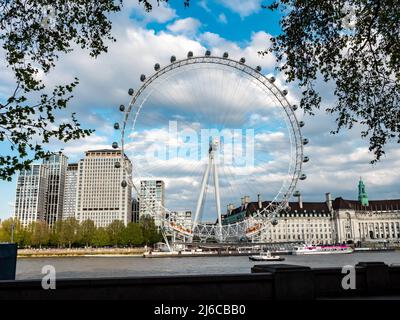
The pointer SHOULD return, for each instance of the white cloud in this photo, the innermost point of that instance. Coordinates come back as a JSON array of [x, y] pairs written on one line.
[[75, 149], [104, 81], [242, 7], [270, 137], [7, 83], [203, 4], [259, 41], [188, 26], [222, 18], [160, 13]]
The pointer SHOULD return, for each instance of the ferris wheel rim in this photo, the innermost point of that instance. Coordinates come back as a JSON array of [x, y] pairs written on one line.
[[283, 102]]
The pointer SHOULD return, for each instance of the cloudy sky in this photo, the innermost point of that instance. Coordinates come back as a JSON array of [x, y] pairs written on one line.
[[206, 98]]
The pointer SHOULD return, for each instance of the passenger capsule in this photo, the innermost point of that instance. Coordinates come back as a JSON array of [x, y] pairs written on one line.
[[117, 165], [258, 68], [173, 59], [116, 126], [242, 60], [190, 54], [274, 222], [272, 79], [305, 141], [208, 53], [301, 124], [157, 67], [131, 91], [294, 107], [306, 159], [115, 145], [142, 77], [297, 193], [303, 177], [124, 184], [225, 55], [122, 108], [285, 92]]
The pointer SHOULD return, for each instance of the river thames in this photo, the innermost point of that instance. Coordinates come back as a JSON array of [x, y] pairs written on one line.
[[131, 266]]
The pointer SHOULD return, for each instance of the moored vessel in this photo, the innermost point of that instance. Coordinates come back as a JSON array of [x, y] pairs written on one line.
[[307, 249], [265, 256]]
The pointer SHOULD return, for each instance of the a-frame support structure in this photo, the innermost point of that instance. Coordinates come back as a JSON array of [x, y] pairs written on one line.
[[211, 166]]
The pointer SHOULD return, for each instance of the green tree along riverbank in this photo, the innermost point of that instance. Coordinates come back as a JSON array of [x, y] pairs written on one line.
[[69, 233]]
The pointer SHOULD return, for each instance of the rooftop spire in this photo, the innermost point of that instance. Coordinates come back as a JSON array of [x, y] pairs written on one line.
[[362, 194]]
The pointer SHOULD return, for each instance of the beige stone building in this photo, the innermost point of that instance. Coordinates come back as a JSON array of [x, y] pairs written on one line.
[[100, 196], [328, 222]]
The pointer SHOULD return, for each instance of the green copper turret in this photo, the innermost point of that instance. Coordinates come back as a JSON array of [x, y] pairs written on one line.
[[362, 194]]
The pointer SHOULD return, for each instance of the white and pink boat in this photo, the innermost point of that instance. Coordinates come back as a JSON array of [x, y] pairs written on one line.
[[322, 249]]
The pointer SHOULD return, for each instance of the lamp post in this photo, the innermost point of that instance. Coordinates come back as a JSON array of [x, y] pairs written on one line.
[[12, 232]]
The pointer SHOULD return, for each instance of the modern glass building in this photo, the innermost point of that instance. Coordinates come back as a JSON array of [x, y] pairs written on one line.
[[71, 182], [57, 169], [30, 201]]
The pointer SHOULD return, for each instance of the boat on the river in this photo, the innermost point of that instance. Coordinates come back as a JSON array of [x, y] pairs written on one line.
[[307, 249], [265, 256], [181, 253]]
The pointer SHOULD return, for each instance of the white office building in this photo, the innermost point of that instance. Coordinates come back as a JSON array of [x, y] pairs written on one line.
[[71, 183], [30, 202], [100, 196], [152, 200]]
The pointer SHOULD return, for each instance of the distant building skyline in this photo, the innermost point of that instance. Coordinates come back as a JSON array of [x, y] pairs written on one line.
[[90, 189]]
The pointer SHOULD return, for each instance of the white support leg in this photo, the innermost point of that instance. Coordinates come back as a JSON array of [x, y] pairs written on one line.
[[201, 195], [211, 163], [217, 197]]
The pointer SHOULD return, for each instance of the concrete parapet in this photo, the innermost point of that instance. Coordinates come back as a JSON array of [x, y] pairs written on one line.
[[265, 282]]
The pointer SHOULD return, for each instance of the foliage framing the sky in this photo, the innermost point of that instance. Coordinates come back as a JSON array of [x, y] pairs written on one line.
[[32, 35], [356, 45]]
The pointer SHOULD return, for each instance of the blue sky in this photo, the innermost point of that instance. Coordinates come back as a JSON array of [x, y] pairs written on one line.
[[220, 16], [240, 27]]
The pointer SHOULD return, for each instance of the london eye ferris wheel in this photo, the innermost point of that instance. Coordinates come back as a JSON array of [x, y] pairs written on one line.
[[215, 131]]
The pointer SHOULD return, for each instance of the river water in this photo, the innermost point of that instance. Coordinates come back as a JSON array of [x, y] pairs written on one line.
[[130, 266]]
